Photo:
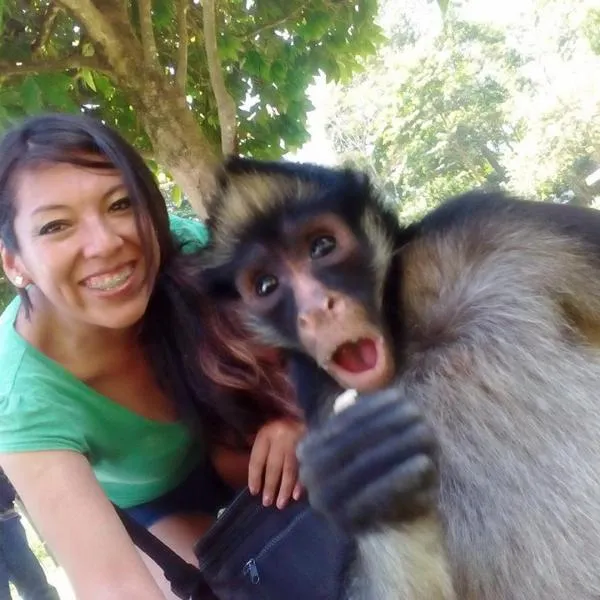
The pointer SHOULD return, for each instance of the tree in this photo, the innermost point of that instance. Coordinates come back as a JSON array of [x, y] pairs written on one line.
[[437, 121], [478, 93], [560, 147], [184, 81]]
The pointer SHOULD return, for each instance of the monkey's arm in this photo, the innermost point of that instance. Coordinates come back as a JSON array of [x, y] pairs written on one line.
[[372, 469]]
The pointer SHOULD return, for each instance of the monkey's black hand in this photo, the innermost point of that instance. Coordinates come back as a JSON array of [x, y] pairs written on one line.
[[373, 463]]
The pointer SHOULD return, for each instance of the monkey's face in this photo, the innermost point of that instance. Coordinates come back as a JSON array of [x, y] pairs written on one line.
[[313, 285]]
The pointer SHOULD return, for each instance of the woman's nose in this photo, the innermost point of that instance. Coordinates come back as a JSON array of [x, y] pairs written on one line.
[[100, 239]]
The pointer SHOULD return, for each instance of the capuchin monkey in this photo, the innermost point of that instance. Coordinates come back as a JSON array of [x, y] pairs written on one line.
[[469, 466]]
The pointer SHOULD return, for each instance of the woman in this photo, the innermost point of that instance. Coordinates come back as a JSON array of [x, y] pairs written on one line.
[[99, 363]]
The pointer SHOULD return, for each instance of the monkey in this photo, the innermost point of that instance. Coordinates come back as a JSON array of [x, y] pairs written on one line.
[[469, 465]]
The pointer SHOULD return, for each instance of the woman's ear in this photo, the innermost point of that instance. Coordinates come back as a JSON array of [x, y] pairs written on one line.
[[13, 268]]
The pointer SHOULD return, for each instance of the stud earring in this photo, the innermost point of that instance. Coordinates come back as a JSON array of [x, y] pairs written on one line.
[[19, 281]]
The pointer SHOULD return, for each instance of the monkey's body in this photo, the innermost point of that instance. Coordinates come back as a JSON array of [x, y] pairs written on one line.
[[503, 356], [494, 308]]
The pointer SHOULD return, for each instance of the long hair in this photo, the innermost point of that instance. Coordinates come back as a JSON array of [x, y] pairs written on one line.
[[225, 383], [201, 358]]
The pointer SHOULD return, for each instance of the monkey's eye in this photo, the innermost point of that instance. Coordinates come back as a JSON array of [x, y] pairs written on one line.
[[265, 285], [322, 246]]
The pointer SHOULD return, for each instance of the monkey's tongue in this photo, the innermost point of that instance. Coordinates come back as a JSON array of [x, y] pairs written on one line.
[[356, 357]]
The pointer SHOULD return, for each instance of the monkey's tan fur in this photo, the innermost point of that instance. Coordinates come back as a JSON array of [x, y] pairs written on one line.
[[246, 198], [504, 359]]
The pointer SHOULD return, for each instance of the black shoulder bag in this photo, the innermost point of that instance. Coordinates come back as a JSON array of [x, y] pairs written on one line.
[[257, 553]]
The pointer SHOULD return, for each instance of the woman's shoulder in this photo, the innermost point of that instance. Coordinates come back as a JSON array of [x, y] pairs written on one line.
[[191, 234], [34, 416], [12, 347], [24, 368], [33, 392]]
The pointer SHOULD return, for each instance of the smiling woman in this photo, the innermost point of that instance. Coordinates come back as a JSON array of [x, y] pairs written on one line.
[[100, 395], [95, 266]]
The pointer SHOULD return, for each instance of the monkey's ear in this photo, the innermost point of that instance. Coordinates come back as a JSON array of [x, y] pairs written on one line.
[[362, 179], [359, 186]]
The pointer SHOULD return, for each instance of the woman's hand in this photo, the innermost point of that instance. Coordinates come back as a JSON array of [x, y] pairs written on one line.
[[273, 463]]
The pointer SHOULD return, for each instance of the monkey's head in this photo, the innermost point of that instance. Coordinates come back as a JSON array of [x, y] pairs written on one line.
[[305, 252]]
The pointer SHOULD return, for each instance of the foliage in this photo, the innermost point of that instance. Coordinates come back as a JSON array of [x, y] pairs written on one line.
[[270, 51], [561, 145], [7, 292], [591, 29], [442, 125], [477, 98]]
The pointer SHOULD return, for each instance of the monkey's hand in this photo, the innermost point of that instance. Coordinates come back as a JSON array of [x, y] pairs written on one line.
[[373, 463]]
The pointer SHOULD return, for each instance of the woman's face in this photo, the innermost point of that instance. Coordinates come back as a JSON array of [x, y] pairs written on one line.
[[79, 245]]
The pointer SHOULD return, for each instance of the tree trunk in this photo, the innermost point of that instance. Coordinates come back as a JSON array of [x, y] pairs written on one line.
[[179, 145], [494, 163], [177, 140]]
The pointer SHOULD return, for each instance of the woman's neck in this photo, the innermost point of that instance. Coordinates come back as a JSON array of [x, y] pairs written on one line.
[[85, 350]]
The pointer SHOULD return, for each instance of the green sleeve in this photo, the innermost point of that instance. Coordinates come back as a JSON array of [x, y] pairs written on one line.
[[33, 423], [191, 234]]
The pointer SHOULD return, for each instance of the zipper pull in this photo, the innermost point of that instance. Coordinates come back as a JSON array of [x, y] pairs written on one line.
[[251, 571]]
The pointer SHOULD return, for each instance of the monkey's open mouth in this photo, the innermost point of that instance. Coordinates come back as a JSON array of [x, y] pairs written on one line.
[[363, 362], [356, 357]]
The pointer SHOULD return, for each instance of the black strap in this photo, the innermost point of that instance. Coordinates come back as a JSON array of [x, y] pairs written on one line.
[[187, 581]]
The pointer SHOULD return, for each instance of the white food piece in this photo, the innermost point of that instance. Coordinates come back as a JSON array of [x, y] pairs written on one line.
[[344, 400]]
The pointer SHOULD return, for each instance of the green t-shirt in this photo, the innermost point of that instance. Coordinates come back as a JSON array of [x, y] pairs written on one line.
[[44, 407]]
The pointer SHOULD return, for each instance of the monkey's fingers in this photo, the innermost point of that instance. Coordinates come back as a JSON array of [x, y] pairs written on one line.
[[390, 402], [331, 487], [405, 493], [330, 448]]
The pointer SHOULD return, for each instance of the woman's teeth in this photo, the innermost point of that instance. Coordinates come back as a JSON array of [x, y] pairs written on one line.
[[110, 281]]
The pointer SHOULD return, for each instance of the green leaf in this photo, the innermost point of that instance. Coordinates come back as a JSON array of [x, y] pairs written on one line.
[[31, 95], [2, 11], [254, 63], [163, 13], [277, 71], [443, 4], [177, 196], [316, 26], [88, 77], [88, 49], [104, 85], [10, 97]]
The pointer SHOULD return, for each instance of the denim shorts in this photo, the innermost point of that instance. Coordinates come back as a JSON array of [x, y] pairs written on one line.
[[201, 491]]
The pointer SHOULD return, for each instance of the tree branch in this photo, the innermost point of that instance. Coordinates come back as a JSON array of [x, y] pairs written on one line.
[[226, 107], [10, 68], [278, 22], [147, 33], [46, 27], [182, 51]]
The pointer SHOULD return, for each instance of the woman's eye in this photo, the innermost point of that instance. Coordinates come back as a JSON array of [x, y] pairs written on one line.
[[53, 227], [265, 285], [322, 246], [121, 204]]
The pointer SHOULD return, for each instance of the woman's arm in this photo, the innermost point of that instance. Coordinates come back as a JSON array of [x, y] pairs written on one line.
[[80, 525]]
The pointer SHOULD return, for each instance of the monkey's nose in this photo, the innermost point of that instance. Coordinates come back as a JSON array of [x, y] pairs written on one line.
[[312, 317]]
